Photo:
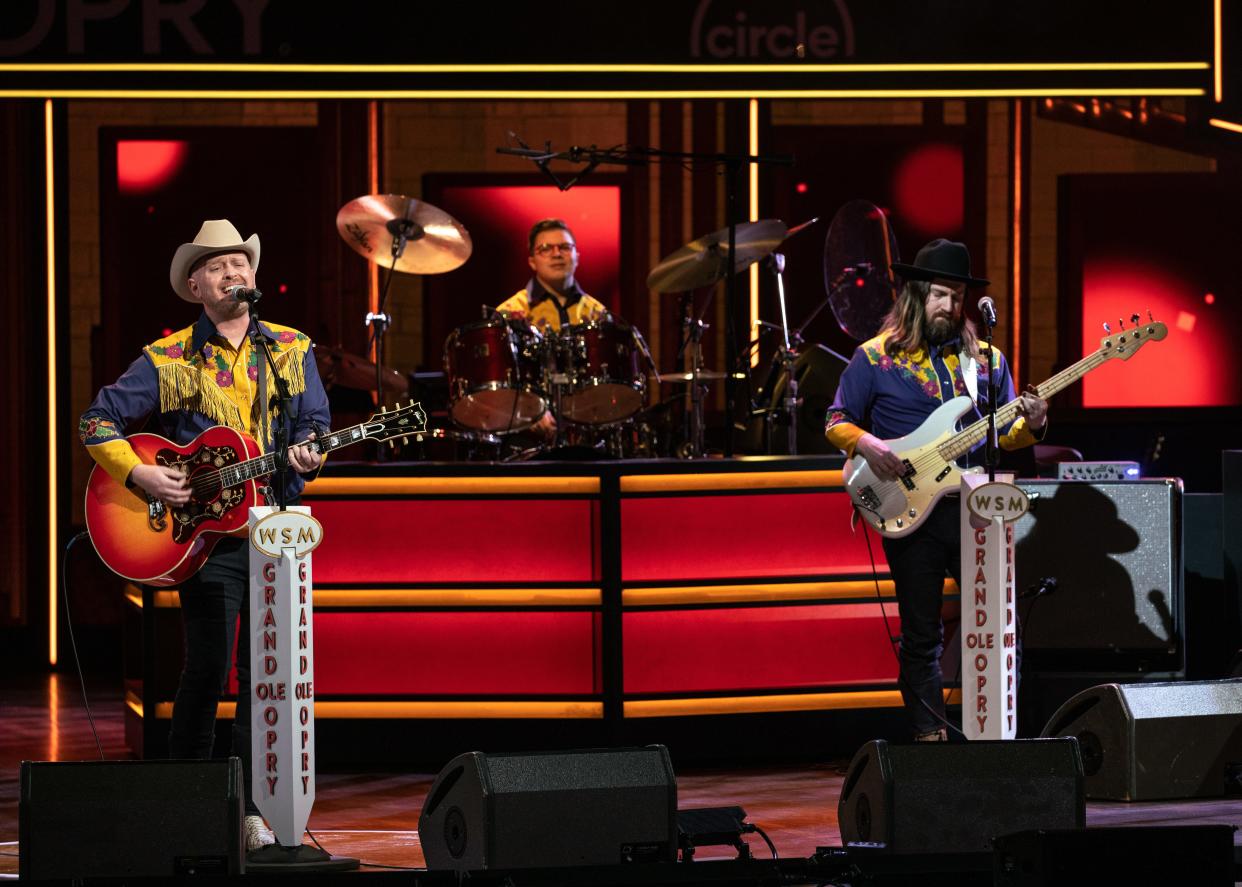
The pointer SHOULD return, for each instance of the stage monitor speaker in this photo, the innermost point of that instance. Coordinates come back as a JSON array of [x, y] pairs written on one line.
[[551, 810], [1144, 742], [1173, 854], [942, 797], [124, 819], [1115, 549]]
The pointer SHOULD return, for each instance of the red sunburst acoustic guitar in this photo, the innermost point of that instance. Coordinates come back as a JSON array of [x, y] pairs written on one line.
[[146, 541]]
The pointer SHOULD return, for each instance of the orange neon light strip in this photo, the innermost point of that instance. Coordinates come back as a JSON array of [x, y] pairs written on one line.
[[373, 176], [1226, 124], [603, 94], [616, 68], [810, 592], [53, 495], [729, 705], [753, 169], [389, 598], [479, 709], [1015, 322], [667, 483], [1218, 77], [451, 486]]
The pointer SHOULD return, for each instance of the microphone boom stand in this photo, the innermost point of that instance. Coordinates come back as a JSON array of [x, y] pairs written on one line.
[[284, 409]]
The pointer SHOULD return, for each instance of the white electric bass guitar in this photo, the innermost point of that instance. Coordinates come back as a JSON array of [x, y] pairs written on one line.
[[930, 453]]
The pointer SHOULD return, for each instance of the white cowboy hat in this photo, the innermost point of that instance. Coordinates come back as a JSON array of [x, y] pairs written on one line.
[[216, 236]]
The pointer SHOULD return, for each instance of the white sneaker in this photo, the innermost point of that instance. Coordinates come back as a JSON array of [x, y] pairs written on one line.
[[258, 835]]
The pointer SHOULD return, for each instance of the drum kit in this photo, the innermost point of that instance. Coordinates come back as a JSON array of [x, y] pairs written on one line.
[[594, 379]]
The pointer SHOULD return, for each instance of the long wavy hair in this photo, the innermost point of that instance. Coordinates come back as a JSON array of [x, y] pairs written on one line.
[[906, 322]]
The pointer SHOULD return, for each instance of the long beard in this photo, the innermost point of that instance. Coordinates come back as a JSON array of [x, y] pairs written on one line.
[[939, 330]]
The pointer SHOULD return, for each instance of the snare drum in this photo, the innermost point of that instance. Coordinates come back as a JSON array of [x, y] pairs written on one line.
[[606, 381], [493, 370]]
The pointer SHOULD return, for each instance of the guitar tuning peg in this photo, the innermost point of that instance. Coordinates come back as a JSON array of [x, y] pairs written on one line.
[[405, 440], [1121, 322], [1149, 317], [1134, 319], [1108, 330]]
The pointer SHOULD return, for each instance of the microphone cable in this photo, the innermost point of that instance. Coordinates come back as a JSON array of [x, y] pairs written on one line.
[[73, 643]]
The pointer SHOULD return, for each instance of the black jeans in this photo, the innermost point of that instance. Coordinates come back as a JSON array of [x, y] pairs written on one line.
[[919, 564], [211, 603]]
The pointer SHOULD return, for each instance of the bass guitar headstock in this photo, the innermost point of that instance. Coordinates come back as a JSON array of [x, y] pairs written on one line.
[[1125, 342]]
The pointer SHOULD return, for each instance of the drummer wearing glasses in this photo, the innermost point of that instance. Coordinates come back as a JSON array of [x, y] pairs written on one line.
[[552, 298]]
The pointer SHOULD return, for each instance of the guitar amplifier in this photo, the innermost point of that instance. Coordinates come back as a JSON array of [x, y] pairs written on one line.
[[1098, 470], [1115, 549]]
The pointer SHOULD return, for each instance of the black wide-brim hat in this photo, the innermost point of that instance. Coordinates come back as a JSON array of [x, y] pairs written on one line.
[[941, 259]]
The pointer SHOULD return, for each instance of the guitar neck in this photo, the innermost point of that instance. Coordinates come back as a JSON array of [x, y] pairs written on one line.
[[261, 466], [961, 443]]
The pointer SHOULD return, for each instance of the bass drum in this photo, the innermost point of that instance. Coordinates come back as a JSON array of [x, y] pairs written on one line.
[[607, 384], [493, 368]]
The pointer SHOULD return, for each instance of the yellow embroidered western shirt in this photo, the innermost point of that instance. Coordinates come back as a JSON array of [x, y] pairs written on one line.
[[195, 379]]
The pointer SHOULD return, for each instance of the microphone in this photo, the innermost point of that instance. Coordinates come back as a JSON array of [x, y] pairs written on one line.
[[988, 309], [243, 294]]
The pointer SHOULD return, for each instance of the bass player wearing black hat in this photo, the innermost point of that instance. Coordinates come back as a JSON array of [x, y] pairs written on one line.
[[925, 355]]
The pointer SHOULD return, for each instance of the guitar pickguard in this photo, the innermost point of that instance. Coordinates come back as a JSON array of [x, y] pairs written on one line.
[[186, 519]]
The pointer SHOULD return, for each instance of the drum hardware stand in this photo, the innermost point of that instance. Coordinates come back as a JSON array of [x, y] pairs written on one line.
[[557, 381], [733, 164], [693, 446], [788, 356], [403, 231]]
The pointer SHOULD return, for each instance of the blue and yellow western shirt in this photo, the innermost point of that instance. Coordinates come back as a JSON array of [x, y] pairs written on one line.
[[892, 395], [195, 379], [540, 308]]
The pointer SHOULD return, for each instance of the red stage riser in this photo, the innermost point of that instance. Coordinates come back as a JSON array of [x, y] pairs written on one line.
[[753, 648], [412, 541], [678, 538], [456, 654]]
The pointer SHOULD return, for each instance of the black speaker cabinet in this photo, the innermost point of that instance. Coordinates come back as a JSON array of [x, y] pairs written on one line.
[[1143, 742], [551, 809], [118, 819], [942, 797], [1115, 549], [1173, 854]]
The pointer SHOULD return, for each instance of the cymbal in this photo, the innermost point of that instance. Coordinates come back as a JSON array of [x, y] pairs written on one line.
[[339, 367], [704, 261], [436, 242]]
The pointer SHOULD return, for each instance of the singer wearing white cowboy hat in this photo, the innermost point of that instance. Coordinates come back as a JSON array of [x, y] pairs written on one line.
[[201, 376]]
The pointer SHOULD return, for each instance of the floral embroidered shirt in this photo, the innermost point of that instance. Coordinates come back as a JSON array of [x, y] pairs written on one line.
[[891, 396], [540, 308], [195, 379]]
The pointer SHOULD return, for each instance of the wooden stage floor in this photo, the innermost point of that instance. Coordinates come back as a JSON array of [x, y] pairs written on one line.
[[373, 815]]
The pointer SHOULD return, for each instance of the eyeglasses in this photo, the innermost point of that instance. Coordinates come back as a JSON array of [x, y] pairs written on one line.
[[545, 249]]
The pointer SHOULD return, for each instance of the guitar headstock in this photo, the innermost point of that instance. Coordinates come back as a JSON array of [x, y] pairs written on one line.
[[400, 421], [1125, 342]]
